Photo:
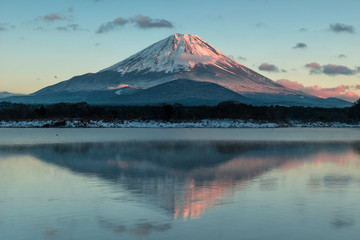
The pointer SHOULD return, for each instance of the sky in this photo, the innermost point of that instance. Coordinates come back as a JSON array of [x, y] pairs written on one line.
[[308, 45]]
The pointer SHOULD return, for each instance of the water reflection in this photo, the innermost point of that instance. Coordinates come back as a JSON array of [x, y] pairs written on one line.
[[187, 178], [141, 228]]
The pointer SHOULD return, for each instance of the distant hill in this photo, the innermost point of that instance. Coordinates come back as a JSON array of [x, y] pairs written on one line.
[[5, 94]]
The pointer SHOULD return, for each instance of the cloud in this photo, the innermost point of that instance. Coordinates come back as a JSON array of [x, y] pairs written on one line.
[[110, 26], [53, 17], [268, 67], [43, 23], [71, 28], [300, 45], [329, 69], [341, 28], [332, 69], [66, 28], [341, 91], [140, 21], [6, 27], [261, 25], [240, 58], [342, 56], [290, 84], [40, 29], [145, 22], [314, 67]]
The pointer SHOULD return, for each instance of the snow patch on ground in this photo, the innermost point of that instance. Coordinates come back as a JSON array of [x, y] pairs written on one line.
[[220, 123]]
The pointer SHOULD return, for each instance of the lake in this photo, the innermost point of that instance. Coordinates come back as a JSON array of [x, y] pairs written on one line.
[[293, 183]]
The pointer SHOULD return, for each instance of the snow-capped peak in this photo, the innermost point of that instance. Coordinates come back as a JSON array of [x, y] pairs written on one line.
[[179, 52]]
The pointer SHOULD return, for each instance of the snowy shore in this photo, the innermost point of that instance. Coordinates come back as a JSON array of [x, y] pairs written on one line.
[[221, 123]]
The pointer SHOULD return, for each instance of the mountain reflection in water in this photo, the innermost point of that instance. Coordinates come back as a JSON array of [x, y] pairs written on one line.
[[188, 177]]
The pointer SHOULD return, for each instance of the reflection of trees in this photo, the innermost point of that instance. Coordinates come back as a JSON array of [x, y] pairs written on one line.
[[185, 178]]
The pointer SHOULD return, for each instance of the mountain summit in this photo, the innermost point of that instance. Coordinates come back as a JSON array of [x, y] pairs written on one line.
[[179, 52], [181, 68], [189, 56]]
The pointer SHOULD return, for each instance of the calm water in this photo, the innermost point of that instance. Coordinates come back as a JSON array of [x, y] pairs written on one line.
[[179, 184]]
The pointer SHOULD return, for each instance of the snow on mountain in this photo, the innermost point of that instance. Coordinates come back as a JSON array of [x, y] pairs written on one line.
[[177, 57], [188, 56], [174, 54], [180, 56]]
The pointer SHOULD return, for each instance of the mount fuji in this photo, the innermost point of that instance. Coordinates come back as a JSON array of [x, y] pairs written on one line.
[[182, 68]]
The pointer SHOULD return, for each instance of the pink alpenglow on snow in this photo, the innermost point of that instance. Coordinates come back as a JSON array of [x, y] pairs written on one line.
[[173, 54], [189, 56]]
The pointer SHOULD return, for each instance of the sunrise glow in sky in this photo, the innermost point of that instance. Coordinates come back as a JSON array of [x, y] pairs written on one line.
[[309, 45]]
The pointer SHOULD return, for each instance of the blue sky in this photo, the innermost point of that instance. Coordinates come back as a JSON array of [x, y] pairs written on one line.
[[310, 45]]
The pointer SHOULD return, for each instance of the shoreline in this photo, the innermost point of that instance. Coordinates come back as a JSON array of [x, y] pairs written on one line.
[[207, 123]]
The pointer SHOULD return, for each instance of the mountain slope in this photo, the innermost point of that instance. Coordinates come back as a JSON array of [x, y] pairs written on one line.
[[184, 91], [180, 56], [5, 94], [176, 57], [181, 91]]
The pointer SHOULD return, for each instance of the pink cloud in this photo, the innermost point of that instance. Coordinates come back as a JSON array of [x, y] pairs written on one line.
[[315, 68], [290, 84], [341, 91], [313, 65]]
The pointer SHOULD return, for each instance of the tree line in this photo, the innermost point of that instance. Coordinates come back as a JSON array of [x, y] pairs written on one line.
[[176, 112]]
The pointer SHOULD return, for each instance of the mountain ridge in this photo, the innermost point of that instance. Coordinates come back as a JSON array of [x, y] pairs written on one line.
[[181, 56], [178, 56]]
